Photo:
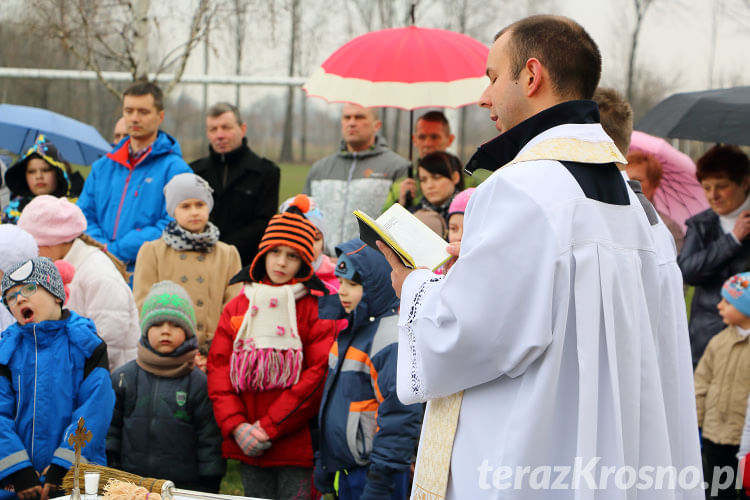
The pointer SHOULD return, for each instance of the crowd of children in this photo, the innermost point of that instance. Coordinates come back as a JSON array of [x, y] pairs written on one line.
[[287, 365]]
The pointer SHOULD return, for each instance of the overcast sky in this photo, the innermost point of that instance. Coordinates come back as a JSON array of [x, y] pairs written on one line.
[[674, 46]]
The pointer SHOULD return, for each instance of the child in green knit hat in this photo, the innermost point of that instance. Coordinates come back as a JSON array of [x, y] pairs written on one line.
[[163, 423]]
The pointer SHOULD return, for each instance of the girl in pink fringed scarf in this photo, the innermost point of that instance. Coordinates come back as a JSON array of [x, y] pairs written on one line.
[[268, 361]]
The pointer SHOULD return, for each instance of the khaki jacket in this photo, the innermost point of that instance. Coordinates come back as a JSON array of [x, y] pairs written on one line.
[[722, 385], [203, 275]]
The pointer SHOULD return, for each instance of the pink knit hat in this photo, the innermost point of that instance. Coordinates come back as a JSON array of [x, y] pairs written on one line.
[[458, 205], [52, 221]]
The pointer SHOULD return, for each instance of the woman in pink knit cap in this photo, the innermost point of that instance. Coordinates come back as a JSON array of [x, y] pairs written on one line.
[[99, 289]]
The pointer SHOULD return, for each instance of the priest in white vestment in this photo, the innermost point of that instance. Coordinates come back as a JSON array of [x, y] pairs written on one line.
[[554, 354]]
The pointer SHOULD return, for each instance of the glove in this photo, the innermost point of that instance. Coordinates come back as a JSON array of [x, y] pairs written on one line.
[[379, 485], [323, 480], [251, 439]]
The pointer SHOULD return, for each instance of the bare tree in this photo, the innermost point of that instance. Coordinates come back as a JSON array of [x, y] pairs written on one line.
[[116, 35], [641, 6], [286, 144]]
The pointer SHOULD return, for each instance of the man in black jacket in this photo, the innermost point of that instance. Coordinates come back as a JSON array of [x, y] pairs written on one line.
[[246, 186]]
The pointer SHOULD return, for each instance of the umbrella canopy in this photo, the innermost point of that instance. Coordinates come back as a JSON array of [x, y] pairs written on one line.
[[407, 68], [712, 116], [78, 142], [679, 194]]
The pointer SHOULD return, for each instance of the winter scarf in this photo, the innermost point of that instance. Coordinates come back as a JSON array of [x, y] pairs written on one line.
[[267, 351], [184, 241], [442, 209], [176, 364]]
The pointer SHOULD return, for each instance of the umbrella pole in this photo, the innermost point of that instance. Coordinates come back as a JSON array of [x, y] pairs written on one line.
[[411, 152], [411, 143]]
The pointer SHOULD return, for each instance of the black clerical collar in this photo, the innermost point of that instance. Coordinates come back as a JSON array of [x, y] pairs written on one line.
[[503, 148]]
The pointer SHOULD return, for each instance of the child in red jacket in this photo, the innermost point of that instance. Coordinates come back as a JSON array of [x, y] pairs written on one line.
[[268, 362]]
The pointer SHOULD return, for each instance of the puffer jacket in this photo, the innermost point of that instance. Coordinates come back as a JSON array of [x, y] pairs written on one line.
[[346, 181], [708, 258], [722, 386], [164, 427], [51, 374], [285, 414], [98, 291], [124, 206], [362, 422]]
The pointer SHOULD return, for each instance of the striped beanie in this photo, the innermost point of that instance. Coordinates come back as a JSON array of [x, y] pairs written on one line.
[[168, 301], [290, 229]]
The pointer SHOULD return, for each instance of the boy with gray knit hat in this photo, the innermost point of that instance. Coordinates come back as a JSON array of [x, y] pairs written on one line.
[[163, 423], [53, 370]]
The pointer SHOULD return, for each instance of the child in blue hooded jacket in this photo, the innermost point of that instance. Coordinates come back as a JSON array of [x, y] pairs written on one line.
[[367, 436], [53, 370]]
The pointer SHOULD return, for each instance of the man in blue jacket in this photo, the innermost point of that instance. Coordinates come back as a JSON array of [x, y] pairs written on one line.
[[367, 436], [123, 197]]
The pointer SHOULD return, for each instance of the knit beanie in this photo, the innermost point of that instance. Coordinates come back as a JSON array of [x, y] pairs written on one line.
[[40, 270], [52, 221], [168, 301], [16, 245], [182, 187], [290, 229], [736, 291], [458, 205], [309, 208]]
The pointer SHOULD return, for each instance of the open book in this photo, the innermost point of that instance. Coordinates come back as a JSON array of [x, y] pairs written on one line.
[[415, 243]]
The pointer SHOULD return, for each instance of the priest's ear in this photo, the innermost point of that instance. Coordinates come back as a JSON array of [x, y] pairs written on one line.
[[533, 77]]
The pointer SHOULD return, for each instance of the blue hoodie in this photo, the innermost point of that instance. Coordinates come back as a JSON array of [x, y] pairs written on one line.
[[51, 373], [124, 206], [362, 422]]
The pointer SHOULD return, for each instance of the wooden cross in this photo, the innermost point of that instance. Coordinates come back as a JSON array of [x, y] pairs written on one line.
[[78, 441]]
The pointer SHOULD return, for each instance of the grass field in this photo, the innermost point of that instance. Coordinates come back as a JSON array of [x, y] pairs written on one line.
[[292, 179], [231, 484]]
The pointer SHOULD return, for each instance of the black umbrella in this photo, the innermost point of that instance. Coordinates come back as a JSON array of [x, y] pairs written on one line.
[[721, 115]]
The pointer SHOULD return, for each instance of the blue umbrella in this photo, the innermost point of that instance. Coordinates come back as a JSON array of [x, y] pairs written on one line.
[[78, 142]]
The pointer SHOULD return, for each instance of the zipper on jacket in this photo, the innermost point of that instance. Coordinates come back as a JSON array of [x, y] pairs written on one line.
[[122, 379], [154, 395], [18, 406], [33, 419], [119, 207], [346, 195]]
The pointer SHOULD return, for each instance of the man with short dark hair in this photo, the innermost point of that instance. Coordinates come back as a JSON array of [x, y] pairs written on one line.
[[122, 197], [543, 352], [358, 176], [246, 186]]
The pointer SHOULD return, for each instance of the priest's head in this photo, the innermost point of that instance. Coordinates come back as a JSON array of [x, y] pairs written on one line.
[[536, 63]]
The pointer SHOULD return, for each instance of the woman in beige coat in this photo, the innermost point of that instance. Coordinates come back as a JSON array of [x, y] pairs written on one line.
[[190, 254]]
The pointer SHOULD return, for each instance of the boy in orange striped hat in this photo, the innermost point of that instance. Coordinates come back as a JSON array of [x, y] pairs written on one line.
[[268, 361]]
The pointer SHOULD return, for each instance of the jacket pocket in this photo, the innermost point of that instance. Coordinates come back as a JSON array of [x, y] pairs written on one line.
[[360, 429]]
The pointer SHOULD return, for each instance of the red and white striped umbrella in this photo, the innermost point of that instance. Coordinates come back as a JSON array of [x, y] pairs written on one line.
[[407, 68]]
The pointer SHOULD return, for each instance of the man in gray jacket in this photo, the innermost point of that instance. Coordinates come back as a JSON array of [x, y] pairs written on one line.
[[357, 177]]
